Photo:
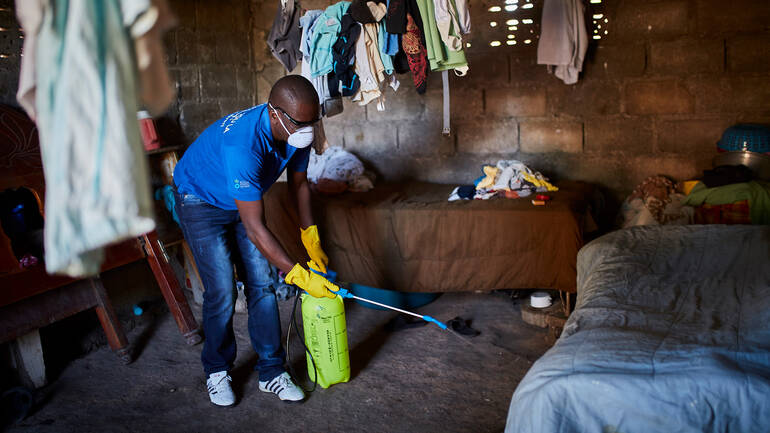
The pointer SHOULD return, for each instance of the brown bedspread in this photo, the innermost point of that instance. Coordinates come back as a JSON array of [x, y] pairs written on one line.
[[407, 237]]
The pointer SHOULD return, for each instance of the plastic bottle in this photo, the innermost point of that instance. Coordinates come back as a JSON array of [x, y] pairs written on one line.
[[327, 339]]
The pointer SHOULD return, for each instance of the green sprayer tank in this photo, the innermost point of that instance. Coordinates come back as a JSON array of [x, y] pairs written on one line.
[[327, 339]]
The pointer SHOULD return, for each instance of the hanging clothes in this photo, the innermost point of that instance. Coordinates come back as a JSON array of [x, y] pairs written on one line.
[[324, 37], [369, 65], [329, 106], [439, 56], [284, 36], [563, 39], [343, 79], [452, 20], [97, 181], [416, 54]]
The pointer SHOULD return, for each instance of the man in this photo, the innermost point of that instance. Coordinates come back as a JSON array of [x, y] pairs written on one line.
[[220, 182]]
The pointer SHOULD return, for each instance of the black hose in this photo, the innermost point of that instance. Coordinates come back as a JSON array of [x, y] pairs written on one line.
[[293, 321]]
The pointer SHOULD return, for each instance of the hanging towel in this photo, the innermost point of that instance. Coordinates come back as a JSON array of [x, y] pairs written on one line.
[[329, 106], [30, 14], [97, 182], [325, 35], [284, 37], [563, 39]]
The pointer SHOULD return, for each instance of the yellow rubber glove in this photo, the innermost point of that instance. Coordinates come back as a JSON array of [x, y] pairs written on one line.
[[310, 282], [312, 244]]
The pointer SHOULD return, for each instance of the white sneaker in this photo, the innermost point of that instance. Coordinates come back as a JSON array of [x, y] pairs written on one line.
[[283, 387], [220, 392]]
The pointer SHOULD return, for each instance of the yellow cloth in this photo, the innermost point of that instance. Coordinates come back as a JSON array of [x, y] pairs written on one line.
[[537, 181], [312, 243], [491, 174], [310, 282]]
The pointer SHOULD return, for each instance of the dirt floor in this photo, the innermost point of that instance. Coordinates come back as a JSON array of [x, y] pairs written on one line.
[[414, 380]]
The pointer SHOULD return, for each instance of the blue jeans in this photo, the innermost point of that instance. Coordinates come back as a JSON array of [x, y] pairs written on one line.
[[218, 241]]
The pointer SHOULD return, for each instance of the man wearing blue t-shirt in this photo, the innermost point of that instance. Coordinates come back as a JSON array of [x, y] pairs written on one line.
[[220, 182]]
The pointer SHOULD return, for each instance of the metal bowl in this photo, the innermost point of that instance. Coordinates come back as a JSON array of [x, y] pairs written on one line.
[[758, 163]]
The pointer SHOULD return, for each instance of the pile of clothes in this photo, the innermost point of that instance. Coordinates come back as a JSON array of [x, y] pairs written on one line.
[[355, 48], [508, 178], [336, 171], [655, 202]]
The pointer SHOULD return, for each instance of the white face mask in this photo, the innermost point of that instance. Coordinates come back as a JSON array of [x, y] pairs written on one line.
[[301, 138]]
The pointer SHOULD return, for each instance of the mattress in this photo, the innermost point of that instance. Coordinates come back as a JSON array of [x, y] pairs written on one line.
[[671, 332]]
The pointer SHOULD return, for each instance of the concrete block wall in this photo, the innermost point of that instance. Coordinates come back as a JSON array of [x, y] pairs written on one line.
[[210, 56], [656, 93]]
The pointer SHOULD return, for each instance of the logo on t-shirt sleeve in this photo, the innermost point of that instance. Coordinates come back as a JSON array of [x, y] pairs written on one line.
[[238, 184]]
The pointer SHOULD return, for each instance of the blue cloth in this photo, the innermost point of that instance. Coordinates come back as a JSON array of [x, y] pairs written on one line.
[[325, 33], [237, 158], [383, 38], [209, 231]]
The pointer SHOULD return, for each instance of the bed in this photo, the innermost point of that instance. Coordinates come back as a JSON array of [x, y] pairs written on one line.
[[408, 237], [671, 332]]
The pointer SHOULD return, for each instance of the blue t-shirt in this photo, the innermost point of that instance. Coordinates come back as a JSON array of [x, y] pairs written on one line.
[[236, 158]]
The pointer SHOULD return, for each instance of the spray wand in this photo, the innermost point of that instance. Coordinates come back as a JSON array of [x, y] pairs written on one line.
[[345, 294]]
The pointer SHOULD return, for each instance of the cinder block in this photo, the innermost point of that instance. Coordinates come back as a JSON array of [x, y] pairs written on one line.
[[517, 101], [650, 20], [614, 61], [404, 104], [266, 78], [619, 135], [539, 136], [195, 117], [218, 82], [717, 16], [207, 44], [524, 67], [691, 136], [371, 138], [658, 97], [749, 53], [584, 98], [218, 15], [482, 135], [486, 68], [687, 56], [186, 47], [335, 131], [169, 45], [465, 102], [232, 48], [244, 78], [736, 94], [187, 84], [232, 105], [420, 138], [185, 13]]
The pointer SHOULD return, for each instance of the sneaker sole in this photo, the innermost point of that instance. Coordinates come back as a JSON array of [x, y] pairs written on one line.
[[221, 405], [284, 399]]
